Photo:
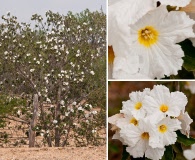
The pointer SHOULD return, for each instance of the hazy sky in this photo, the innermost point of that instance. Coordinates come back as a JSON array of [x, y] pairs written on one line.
[[23, 9]]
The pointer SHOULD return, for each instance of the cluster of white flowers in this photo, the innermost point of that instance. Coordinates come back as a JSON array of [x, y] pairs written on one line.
[[149, 120], [144, 38]]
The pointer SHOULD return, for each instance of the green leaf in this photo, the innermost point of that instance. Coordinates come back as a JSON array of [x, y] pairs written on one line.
[[189, 59], [113, 148], [178, 151], [125, 154], [184, 139], [168, 155], [177, 147]]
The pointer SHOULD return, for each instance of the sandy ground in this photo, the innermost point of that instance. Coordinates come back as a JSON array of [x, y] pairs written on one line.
[[67, 153]]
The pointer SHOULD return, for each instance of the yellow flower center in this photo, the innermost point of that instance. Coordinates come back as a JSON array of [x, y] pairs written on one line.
[[162, 128], [164, 108], [138, 105], [145, 136], [148, 36], [110, 55], [134, 121]]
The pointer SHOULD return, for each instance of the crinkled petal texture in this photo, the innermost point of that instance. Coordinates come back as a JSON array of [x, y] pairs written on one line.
[[192, 15], [190, 153], [161, 101], [125, 68], [132, 134], [113, 119], [164, 134], [180, 30], [154, 153], [153, 38], [137, 139], [128, 119], [120, 15], [180, 3], [185, 120], [117, 136], [142, 148], [134, 105], [111, 2]]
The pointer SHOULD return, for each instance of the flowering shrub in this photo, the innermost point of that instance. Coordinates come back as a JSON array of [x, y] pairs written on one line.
[[60, 59], [147, 35], [153, 124]]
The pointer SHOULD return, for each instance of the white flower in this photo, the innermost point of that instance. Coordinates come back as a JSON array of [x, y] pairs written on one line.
[[191, 86], [134, 106], [87, 121], [65, 83], [113, 121], [94, 112], [62, 102], [190, 153], [6, 53], [153, 38], [185, 120], [32, 70], [52, 106], [120, 15], [86, 115], [55, 121], [48, 100], [80, 108], [93, 131], [67, 113], [74, 103], [90, 106], [65, 131], [126, 120], [164, 133], [137, 138], [92, 72], [19, 112], [161, 101]]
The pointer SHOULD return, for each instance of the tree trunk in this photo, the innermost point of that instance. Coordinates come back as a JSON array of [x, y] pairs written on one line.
[[57, 117], [33, 122]]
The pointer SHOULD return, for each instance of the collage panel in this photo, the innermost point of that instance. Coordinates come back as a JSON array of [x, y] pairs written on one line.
[[53, 80], [151, 120], [151, 72], [151, 40]]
